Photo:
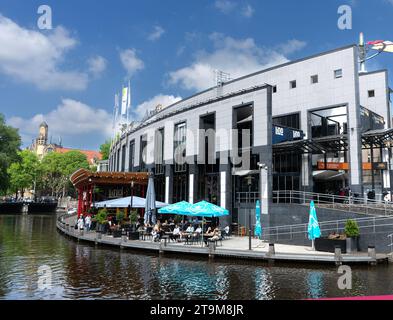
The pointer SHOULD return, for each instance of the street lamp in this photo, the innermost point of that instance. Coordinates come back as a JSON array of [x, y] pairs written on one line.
[[249, 183], [132, 194]]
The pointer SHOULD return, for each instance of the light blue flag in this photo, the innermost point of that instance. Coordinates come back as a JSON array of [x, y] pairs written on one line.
[[314, 231], [258, 227]]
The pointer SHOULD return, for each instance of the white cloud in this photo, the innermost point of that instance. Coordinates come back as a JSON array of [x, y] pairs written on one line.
[[131, 62], [235, 56], [97, 65], [248, 11], [164, 100], [156, 34], [225, 6], [72, 120], [33, 57]]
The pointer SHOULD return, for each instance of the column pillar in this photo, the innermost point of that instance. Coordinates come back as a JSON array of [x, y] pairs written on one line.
[[193, 183], [168, 183], [226, 192]]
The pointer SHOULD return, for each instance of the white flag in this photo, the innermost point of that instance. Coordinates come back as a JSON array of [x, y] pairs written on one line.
[[124, 101]]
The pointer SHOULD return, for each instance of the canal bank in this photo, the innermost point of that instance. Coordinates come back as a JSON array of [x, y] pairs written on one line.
[[232, 248]]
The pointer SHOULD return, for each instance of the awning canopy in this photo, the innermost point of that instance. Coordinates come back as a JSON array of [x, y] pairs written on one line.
[[378, 138], [137, 202], [84, 177]]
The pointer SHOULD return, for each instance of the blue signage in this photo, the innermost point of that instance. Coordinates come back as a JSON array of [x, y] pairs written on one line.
[[283, 134]]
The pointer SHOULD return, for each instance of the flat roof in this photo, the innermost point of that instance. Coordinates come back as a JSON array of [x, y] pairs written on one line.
[[83, 177]]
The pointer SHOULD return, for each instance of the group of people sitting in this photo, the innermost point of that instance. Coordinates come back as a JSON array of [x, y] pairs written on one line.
[[182, 232]]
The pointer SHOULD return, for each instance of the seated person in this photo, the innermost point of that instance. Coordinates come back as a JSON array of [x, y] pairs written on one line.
[[198, 230], [176, 233], [209, 232], [190, 229]]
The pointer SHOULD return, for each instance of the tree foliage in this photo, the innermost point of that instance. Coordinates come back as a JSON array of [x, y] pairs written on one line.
[[105, 149], [57, 169], [25, 172], [10, 142]]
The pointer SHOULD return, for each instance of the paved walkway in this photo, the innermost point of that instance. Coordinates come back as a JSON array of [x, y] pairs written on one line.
[[234, 247]]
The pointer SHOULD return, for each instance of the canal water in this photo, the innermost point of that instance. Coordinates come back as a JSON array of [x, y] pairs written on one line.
[[83, 271]]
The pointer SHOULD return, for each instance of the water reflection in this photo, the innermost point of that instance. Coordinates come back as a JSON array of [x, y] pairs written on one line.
[[83, 271]]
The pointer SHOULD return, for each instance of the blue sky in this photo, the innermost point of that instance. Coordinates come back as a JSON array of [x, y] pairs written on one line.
[[68, 75]]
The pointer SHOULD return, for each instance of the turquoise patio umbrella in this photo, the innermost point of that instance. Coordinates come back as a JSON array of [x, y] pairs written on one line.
[[182, 208], [207, 209], [314, 232], [258, 226]]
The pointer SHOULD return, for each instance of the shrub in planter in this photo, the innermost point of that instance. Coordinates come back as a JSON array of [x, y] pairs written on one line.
[[101, 218], [120, 216], [352, 232], [133, 219]]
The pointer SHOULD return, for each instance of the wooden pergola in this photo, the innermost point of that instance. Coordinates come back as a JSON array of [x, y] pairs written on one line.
[[85, 181]]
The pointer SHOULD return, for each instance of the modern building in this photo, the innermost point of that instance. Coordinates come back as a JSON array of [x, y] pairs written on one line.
[[316, 124], [41, 146]]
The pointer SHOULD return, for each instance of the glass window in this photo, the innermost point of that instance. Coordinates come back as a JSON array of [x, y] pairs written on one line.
[[338, 73], [179, 147], [131, 156], [371, 93], [292, 84], [143, 153], [159, 151], [314, 79]]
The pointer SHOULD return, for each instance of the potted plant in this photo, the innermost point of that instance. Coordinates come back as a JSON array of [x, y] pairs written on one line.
[[101, 219], [133, 234], [352, 233], [120, 216]]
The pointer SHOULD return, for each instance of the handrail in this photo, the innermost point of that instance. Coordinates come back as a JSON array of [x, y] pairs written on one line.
[[333, 197], [327, 226], [354, 204]]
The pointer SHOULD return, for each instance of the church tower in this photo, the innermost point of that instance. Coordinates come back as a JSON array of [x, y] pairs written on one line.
[[42, 139]]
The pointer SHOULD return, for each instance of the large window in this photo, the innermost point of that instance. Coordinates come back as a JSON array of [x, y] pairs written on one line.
[[179, 147], [123, 158], [118, 160], [159, 152], [291, 121], [131, 156], [143, 153]]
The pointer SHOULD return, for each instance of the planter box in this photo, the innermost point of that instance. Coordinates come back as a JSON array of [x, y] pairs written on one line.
[[328, 245], [353, 245], [133, 235], [117, 234]]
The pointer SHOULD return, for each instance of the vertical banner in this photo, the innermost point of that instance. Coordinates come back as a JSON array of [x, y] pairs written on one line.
[[124, 102]]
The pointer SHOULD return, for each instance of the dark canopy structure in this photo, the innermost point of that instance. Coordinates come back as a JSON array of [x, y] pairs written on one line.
[[85, 181]]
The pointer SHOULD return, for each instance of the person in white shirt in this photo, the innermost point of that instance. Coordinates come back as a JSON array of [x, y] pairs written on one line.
[[80, 223], [198, 230], [190, 229], [88, 223]]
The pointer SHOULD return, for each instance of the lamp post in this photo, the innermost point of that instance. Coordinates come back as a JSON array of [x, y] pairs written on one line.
[[132, 194], [249, 183]]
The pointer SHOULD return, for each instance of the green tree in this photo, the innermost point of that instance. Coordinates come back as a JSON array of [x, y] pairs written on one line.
[[9, 146], [24, 173], [104, 149], [57, 169]]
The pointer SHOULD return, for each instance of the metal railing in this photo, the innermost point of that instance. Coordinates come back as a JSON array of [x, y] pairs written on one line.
[[361, 205], [289, 232], [246, 197], [391, 242]]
